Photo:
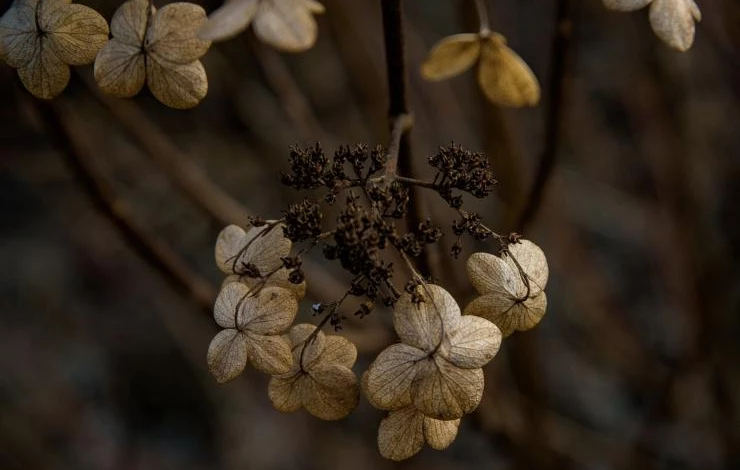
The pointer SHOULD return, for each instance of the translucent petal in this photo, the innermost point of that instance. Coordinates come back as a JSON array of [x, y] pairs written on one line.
[[332, 393], [229, 244], [489, 274], [389, 378], [227, 355], [448, 392], [298, 335], [287, 25], [271, 311], [229, 303], [451, 56], [120, 69], [401, 434], [171, 36], [420, 324], [45, 76], [508, 314], [472, 342], [440, 434], [230, 19], [532, 260], [269, 354], [674, 21], [340, 351], [74, 32], [174, 85], [626, 5], [266, 248], [287, 392], [504, 77], [18, 35]]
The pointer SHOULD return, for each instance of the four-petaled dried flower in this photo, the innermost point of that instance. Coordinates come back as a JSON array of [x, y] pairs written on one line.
[[674, 21], [511, 286], [403, 432], [321, 380], [253, 326], [250, 257], [42, 38], [287, 25], [156, 47], [502, 75]]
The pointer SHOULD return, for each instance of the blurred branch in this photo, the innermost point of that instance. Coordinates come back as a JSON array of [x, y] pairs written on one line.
[[560, 61], [66, 135]]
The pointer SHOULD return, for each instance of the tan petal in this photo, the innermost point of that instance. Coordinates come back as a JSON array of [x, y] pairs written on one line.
[[451, 56], [171, 36], [390, 377], [120, 69], [489, 274], [229, 304], [45, 76], [332, 393], [508, 314], [421, 324], [269, 354], [626, 5], [271, 311], [129, 22], [448, 392], [74, 32], [230, 19], [177, 86], [532, 260], [266, 249], [440, 434], [227, 355], [504, 77], [340, 351], [287, 392], [674, 21], [287, 25], [314, 6], [297, 337], [18, 35], [401, 434], [229, 245], [472, 343]]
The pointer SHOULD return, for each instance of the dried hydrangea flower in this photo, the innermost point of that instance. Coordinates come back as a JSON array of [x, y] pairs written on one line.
[[674, 21], [247, 255], [437, 367], [287, 25], [502, 75], [506, 299], [403, 433], [42, 38], [253, 326], [321, 380], [158, 47]]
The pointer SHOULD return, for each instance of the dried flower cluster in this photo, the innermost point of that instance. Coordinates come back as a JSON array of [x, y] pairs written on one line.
[[503, 76], [430, 379], [674, 21]]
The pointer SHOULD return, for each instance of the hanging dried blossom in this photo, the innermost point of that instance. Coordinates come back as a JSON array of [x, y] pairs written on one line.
[[253, 324], [42, 38], [321, 380], [403, 433], [502, 75], [437, 367], [674, 21], [287, 25], [511, 286], [255, 257], [158, 47]]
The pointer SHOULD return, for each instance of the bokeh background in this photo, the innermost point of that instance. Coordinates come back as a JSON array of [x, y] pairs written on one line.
[[110, 209]]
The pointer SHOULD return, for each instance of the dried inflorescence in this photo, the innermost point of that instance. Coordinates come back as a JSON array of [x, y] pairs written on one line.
[[287, 25], [674, 21], [511, 286], [158, 47], [42, 38], [502, 75], [433, 377]]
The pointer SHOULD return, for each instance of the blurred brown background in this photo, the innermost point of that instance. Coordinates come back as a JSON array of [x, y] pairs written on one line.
[[635, 365]]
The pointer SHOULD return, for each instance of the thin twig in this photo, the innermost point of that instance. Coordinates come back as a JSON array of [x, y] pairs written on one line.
[[485, 23], [560, 58]]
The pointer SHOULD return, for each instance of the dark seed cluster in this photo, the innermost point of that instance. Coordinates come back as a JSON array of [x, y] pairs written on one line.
[[462, 170]]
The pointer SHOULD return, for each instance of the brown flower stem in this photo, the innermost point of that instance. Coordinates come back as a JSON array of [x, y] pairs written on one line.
[[560, 60], [395, 53], [400, 126], [485, 23]]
